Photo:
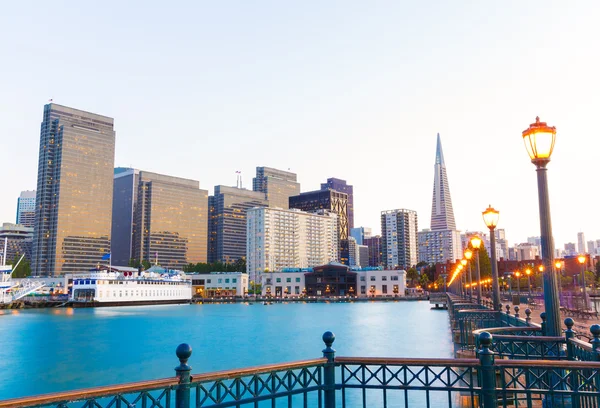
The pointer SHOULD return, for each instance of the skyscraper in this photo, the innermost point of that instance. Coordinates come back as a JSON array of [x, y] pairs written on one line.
[[442, 241], [399, 235], [74, 191], [581, 243], [360, 233], [227, 227], [158, 218], [342, 187], [329, 200], [278, 186], [375, 251], [442, 214], [26, 209]]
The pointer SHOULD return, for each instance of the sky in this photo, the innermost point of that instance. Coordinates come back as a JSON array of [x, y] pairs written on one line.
[[348, 89]]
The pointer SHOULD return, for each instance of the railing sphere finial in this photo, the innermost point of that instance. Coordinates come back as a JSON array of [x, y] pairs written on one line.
[[485, 339], [528, 312], [543, 316], [508, 309], [569, 322], [184, 352], [328, 338]]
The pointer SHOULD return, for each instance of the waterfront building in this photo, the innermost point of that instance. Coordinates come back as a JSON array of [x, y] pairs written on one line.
[[442, 241], [218, 284], [26, 209], [227, 227], [375, 250], [330, 200], [343, 187], [277, 185], [74, 191], [278, 238], [581, 243], [399, 238], [158, 218], [335, 279], [360, 233], [19, 240]]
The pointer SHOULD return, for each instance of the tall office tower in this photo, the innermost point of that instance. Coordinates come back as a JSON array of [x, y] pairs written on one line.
[[353, 254], [399, 238], [227, 210], [278, 186], [74, 191], [581, 243], [442, 242], [442, 214], [360, 233], [375, 251], [26, 209], [342, 187], [330, 200], [158, 218], [279, 238]]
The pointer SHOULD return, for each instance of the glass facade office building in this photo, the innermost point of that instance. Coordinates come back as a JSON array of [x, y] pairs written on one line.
[[74, 191], [278, 186], [26, 209], [170, 221], [343, 187], [227, 222]]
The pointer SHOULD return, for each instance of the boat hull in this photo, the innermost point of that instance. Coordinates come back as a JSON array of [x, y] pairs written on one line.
[[130, 303]]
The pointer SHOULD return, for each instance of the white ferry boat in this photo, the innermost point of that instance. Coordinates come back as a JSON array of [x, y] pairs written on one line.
[[128, 288]]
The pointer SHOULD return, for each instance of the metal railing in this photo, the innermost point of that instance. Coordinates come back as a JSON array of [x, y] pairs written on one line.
[[333, 381]]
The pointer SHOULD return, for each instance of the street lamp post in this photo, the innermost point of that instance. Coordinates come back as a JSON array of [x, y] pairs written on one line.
[[559, 265], [539, 141], [528, 273], [581, 259], [476, 244], [518, 275], [490, 217], [463, 280], [464, 262]]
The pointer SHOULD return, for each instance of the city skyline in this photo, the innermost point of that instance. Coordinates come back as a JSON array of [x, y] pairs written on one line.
[[400, 99]]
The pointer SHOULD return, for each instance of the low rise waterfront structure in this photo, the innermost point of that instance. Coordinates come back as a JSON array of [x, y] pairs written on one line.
[[219, 284]]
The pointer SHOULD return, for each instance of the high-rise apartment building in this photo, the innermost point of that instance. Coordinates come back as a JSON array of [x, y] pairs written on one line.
[[375, 250], [360, 233], [26, 209], [399, 234], [363, 255], [280, 238], [343, 187], [581, 243], [570, 249], [330, 200], [442, 241], [353, 254], [158, 218], [74, 191], [227, 222], [591, 247], [277, 185]]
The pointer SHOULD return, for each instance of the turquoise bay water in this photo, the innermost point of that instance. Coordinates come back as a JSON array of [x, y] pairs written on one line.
[[51, 350]]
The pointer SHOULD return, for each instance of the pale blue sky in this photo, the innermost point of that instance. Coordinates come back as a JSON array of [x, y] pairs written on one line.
[[354, 90]]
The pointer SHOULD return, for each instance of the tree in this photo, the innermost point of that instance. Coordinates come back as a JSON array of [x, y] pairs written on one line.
[[412, 275], [22, 270], [485, 265], [424, 281]]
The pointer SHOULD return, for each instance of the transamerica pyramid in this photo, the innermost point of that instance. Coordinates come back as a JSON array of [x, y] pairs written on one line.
[[442, 215]]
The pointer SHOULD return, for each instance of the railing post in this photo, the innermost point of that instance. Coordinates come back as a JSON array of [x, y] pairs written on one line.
[[528, 318], [329, 370], [517, 312], [569, 334], [182, 394], [595, 341], [543, 324], [488, 372]]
